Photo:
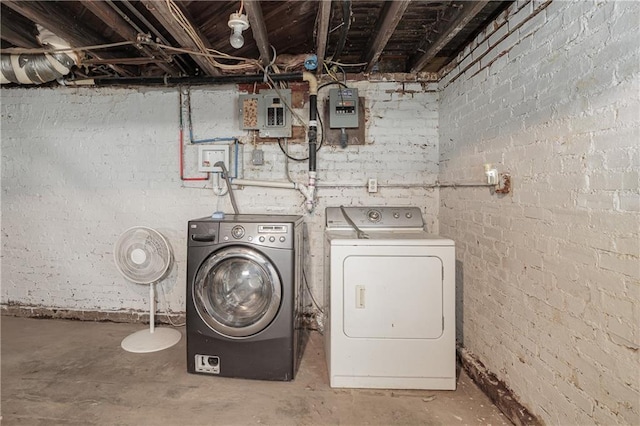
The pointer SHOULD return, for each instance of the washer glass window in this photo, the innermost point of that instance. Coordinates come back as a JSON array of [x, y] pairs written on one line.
[[237, 292]]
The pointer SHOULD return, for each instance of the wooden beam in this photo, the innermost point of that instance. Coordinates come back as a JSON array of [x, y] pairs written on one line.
[[469, 11], [163, 14], [54, 18], [17, 30], [387, 22], [324, 16], [109, 16], [258, 29]]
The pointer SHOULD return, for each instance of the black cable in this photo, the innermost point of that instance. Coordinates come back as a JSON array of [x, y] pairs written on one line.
[[287, 154], [329, 83], [306, 283], [307, 157], [344, 31]]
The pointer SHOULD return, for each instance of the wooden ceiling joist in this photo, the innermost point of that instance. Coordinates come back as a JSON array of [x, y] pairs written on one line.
[[323, 20], [162, 12], [51, 17], [258, 29], [17, 30], [109, 16], [467, 13], [387, 23]]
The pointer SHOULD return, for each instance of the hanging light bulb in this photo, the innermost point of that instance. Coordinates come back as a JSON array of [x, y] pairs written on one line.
[[238, 23]]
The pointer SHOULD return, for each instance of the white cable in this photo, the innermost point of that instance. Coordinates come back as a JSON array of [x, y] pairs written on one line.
[[166, 311]]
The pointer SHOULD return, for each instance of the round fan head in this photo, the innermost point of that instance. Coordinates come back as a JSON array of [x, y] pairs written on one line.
[[142, 255]]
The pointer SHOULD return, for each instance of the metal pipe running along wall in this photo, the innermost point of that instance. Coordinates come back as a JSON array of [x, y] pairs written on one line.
[[185, 81]]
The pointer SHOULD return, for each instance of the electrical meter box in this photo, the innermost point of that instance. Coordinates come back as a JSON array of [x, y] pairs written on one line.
[[343, 108], [268, 112]]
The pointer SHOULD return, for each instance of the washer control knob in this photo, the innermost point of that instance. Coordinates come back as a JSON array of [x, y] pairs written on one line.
[[226, 238], [409, 215], [282, 239], [250, 238], [272, 239], [373, 215], [261, 239], [396, 215], [237, 232]]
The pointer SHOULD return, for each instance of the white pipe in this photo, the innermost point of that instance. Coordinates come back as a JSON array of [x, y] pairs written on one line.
[[152, 307], [311, 192], [218, 189], [265, 183], [313, 82]]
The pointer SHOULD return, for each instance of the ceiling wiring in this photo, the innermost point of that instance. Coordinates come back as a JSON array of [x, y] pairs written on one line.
[[186, 25], [67, 49]]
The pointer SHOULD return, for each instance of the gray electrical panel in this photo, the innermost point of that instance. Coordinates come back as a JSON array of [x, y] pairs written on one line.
[[343, 108], [268, 112]]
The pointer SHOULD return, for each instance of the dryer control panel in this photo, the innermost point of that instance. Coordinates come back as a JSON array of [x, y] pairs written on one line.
[[277, 235], [375, 217]]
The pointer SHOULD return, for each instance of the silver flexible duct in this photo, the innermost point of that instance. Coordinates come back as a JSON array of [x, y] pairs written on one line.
[[38, 68]]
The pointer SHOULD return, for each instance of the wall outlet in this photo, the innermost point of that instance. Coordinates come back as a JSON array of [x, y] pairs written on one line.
[[372, 185]]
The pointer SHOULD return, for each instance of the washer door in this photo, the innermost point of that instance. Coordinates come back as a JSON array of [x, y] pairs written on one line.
[[237, 292]]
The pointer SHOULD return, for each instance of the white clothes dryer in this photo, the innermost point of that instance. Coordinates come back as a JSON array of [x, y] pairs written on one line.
[[389, 300]]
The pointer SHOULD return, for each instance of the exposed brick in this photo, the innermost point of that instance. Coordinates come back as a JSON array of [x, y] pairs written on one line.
[[567, 130]]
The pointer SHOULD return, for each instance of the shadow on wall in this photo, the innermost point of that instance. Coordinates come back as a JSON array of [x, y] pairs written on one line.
[[459, 303]]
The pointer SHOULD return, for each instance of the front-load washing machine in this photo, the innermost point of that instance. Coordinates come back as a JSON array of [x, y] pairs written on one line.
[[244, 274], [390, 300]]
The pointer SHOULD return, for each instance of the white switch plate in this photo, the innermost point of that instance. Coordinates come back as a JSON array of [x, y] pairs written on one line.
[[373, 185], [208, 155]]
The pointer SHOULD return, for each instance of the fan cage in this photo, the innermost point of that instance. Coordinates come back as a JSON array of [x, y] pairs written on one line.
[[148, 243]]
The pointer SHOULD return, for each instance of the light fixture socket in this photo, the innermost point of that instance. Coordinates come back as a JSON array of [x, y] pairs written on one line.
[[238, 23]]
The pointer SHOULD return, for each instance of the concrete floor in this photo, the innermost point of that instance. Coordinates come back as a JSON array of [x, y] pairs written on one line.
[[74, 373]]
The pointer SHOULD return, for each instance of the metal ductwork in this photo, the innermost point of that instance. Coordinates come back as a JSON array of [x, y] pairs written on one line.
[[38, 68]]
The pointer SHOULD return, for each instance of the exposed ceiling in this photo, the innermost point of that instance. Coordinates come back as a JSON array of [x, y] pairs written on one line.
[[191, 38]]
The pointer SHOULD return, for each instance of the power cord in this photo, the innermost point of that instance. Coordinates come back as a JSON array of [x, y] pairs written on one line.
[[166, 311], [286, 153], [306, 283]]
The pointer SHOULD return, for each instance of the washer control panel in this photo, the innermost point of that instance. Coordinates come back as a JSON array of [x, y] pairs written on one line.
[[382, 217], [278, 235]]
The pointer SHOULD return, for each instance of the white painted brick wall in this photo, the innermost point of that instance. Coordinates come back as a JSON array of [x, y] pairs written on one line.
[[79, 166], [548, 276]]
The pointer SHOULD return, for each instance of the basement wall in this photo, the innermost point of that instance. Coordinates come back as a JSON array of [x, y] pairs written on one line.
[[548, 276], [80, 166]]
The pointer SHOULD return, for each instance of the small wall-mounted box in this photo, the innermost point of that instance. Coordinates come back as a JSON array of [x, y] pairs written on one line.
[[343, 108], [208, 155]]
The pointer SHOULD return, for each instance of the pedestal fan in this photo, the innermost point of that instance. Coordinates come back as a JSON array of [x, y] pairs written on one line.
[[143, 256]]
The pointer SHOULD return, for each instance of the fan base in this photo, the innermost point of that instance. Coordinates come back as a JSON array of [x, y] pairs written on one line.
[[144, 341]]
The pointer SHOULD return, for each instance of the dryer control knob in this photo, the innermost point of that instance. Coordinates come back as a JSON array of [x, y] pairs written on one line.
[[272, 239], [282, 239], [409, 215], [237, 232], [396, 215], [261, 239]]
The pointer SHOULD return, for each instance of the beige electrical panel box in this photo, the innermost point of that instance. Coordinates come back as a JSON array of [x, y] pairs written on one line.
[[269, 112]]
